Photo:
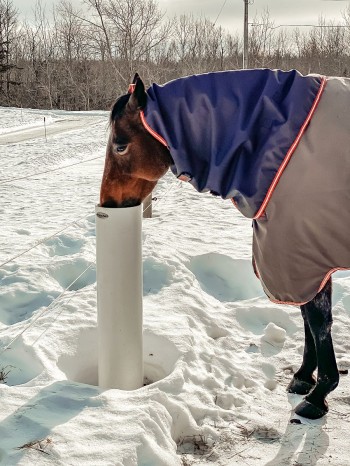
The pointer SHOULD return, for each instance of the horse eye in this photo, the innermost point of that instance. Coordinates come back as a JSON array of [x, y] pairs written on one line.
[[121, 148]]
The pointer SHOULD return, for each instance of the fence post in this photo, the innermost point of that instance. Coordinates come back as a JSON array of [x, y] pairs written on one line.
[[119, 297], [45, 129]]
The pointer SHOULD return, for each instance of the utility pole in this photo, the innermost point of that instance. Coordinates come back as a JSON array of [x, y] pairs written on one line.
[[245, 35]]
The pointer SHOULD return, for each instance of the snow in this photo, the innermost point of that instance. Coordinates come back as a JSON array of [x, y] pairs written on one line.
[[217, 354]]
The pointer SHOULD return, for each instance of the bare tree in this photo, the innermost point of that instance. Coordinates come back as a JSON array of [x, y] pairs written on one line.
[[40, 53], [84, 57], [261, 40], [8, 25], [199, 45]]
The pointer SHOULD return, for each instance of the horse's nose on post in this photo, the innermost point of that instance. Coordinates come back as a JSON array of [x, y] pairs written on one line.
[[119, 297]]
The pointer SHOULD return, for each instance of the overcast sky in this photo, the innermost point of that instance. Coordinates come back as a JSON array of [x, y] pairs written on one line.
[[231, 16]]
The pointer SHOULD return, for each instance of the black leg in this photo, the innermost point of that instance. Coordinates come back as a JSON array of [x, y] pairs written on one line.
[[303, 380], [318, 314]]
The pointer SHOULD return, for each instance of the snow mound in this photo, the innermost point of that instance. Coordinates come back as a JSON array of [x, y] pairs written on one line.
[[64, 244], [274, 334], [21, 364]]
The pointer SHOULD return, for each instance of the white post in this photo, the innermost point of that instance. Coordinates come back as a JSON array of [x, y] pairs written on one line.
[[245, 36], [119, 297]]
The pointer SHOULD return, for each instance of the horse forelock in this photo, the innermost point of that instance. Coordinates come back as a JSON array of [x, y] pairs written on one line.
[[119, 107]]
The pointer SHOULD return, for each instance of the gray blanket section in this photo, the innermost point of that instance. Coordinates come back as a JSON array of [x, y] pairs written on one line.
[[306, 230]]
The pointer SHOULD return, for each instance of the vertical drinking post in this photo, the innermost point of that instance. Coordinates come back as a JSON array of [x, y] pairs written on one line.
[[119, 297]]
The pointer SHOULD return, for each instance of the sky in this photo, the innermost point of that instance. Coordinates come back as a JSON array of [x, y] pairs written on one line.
[[231, 11]]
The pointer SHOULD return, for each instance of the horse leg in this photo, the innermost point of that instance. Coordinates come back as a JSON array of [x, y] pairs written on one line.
[[318, 314], [304, 380]]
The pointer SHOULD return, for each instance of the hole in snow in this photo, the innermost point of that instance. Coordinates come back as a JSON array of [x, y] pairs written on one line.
[[156, 276], [19, 303], [225, 278], [216, 332], [160, 357]]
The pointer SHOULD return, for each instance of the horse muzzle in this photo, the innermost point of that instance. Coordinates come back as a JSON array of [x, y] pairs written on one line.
[[111, 203]]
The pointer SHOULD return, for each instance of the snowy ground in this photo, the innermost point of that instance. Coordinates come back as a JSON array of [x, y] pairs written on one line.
[[218, 354]]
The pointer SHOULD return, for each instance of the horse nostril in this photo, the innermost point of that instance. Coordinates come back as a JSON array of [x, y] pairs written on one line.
[[130, 203]]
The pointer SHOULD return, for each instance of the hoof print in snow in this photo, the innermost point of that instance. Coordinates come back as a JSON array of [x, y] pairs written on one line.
[[64, 245], [67, 271], [216, 332], [224, 278], [156, 275], [23, 232], [19, 303]]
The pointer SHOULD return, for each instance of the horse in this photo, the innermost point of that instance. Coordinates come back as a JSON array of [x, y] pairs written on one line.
[[191, 124]]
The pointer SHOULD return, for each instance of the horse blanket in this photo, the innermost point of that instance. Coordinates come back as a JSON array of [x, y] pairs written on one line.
[[276, 144]]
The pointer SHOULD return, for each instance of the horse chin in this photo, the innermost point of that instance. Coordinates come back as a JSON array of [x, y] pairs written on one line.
[[111, 203]]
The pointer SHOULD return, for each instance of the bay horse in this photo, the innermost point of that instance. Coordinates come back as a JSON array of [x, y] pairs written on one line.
[[235, 134]]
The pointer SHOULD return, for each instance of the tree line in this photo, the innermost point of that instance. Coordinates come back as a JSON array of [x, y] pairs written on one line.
[[82, 58]]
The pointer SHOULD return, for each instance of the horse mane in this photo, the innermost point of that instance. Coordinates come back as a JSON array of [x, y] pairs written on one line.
[[119, 107]]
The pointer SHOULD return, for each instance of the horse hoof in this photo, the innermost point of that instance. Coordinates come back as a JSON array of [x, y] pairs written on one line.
[[299, 387], [310, 411]]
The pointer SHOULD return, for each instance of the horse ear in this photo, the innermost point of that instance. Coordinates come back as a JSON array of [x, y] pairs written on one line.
[[138, 98], [136, 77]]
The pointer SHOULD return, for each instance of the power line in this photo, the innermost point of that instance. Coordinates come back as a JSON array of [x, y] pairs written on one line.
[[301, 25], [222, 7]]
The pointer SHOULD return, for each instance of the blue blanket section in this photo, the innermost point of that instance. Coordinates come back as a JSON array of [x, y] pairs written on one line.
[[231, 130]]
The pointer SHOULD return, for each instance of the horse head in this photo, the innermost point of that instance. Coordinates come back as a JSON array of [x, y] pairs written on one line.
[[135, 160]]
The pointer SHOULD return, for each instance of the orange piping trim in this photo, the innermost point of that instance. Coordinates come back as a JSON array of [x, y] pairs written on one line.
[[151, 131], [290, 151], [323, 283]]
